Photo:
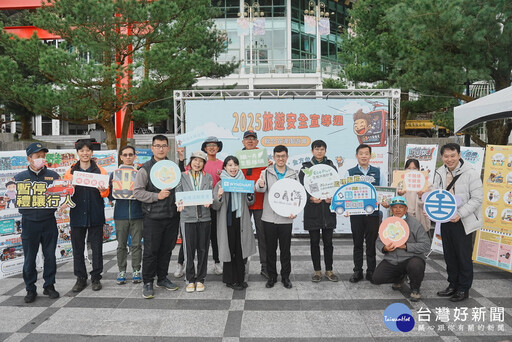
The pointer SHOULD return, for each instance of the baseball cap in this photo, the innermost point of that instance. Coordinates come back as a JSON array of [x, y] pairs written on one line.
[[34, 148], [249, 133], [398, 200]]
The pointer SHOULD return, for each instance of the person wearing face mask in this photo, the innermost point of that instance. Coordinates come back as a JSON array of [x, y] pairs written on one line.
[[407, 259], [234, 229], [39, 227], [195, 222]]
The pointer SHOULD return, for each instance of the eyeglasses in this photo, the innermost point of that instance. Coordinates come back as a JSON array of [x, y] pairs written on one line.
[[211, 145], [280, 157], [127, 155], [160, 146], [250, 138]]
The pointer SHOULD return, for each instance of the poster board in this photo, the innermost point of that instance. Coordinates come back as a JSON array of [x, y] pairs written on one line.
[[493, 243], [425, 154], [13, 162]]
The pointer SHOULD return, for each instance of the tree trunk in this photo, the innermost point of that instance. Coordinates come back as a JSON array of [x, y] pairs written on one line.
[[26, 127], [404, 112], [126, 125], [498, 131], [110, 130]]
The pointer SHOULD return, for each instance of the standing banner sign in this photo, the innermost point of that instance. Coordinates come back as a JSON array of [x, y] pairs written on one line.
[[13, 162], [474, 156], [342, 123], [425, 154], [493, 243]]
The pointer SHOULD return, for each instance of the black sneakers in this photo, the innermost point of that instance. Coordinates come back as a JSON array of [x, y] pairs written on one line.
[[51, 292], [30, 297], [81, 283]]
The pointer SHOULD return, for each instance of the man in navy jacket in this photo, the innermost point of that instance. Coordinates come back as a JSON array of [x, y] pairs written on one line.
[[38, 227]]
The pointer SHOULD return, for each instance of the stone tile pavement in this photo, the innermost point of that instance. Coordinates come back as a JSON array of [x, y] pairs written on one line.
[[310, 311]]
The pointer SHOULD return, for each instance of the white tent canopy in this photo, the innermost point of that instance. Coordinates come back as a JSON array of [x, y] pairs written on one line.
[[495, 106]]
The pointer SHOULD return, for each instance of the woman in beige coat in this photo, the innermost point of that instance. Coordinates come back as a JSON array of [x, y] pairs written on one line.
[[234, 229]]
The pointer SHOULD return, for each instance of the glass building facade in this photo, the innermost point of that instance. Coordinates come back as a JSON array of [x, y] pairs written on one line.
[[283, 46]]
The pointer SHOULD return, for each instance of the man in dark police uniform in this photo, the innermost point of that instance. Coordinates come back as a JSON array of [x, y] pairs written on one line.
[[39, 226]]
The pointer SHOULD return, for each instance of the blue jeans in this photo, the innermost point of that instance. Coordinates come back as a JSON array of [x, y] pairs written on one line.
[[32, 234]]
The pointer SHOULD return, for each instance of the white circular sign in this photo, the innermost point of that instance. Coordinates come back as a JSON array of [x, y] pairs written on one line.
[[320, 181], [287, 197]]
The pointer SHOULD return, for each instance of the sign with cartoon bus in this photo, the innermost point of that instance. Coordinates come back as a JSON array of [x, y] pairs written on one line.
[[357, 198]]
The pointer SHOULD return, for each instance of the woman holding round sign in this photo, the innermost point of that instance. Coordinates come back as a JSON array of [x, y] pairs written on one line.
[[284, 198], [234, 229], [404, 242], [318, 177]]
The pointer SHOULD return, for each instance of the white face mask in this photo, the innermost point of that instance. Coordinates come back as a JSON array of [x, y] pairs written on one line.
[[39, 163]]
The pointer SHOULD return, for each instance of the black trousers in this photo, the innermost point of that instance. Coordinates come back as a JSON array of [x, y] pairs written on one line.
[[159, 241], [42, 233], [278, 235], [95, 237], [314, 243], [260, 234], [234, 271], [196, 239], [414, 268], [213, 236], [457, 250], [365, 229]]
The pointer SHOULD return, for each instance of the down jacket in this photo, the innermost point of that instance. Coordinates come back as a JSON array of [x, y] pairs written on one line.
[[469, 187]]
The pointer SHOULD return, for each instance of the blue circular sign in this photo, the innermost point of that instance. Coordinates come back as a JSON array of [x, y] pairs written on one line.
[[165, 174], [440, 206], [398, 317]]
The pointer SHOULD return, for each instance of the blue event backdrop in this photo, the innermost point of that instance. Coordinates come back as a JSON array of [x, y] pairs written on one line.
[[342, 123]]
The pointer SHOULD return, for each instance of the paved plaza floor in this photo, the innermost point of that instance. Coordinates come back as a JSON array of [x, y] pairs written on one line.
[[324, 311]]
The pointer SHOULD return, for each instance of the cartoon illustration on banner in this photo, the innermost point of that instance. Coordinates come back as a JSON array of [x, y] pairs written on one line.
[[493, 243]]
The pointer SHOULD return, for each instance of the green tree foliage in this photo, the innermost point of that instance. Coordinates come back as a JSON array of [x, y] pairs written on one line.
[[434, 47], [171, 44]]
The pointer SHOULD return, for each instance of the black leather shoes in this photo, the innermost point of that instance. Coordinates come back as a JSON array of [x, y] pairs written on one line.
[[270, 283], [448, 292], [81, 283], [369, 275], [287, 283], [459, 296], [356, 277]]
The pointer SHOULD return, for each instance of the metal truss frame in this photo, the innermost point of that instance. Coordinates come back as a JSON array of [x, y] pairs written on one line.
[[393, 96]]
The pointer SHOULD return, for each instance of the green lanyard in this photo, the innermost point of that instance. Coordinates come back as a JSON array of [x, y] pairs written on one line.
[[196, 180]]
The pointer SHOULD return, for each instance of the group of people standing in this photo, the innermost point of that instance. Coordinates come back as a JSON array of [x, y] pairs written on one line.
[[154, 216]]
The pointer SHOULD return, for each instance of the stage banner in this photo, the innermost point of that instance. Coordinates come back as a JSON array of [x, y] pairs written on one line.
[[475, 156], [425, 154], [342, 123], [13, 162], [493, 243]]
